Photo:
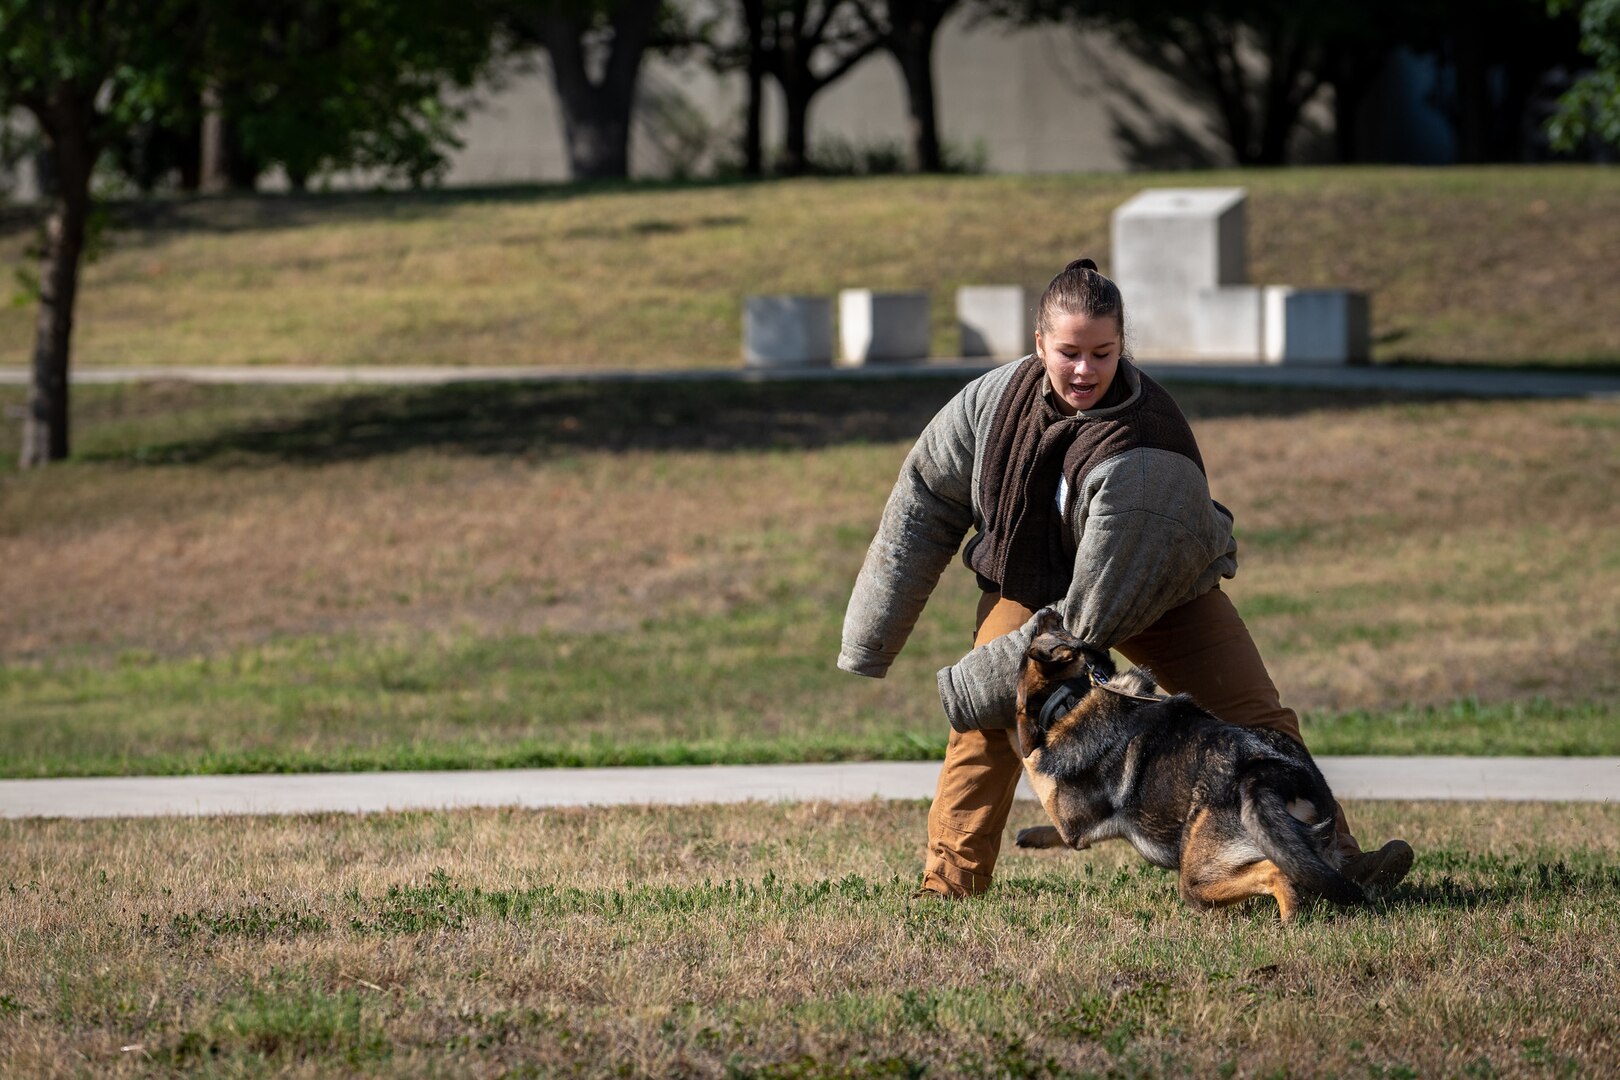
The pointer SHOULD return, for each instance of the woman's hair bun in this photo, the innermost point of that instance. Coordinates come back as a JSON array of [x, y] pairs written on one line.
[[1081, 264]]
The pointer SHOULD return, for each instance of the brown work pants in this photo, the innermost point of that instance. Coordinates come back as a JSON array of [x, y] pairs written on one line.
[[1201, 648]]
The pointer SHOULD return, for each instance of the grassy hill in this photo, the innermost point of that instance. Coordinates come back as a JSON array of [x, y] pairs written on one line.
[[1497, 265]]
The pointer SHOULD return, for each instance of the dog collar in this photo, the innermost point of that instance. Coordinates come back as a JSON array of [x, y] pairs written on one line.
[[1071, 691], [1066, 697]]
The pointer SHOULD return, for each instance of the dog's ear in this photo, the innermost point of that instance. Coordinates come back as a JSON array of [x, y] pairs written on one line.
[[1052, 649], [1047, 620], [1052, 645]]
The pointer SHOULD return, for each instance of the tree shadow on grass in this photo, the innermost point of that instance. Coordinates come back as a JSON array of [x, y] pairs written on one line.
[[1498, 879], [143, 220], [244, 213], [539, 420]]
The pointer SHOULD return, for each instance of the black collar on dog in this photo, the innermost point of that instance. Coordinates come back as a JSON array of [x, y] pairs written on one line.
[[1064, 698], [1071, 691]]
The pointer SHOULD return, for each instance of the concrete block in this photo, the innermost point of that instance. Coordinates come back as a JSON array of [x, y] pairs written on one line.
[[1169, 246], [874, 326], [996, 320], [1317, 326], [787, 331], [1228, 323]]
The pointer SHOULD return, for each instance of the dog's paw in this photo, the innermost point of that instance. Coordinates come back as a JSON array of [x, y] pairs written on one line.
[[1039, 836]]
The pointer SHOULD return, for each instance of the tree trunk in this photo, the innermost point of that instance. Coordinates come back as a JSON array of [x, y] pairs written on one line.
[[795, 151], [1211, 51], [596, 112], [1348, 92], [753, 140], [754, 123], [1473, 87], [45, 427], [598, 136], [916, 59]]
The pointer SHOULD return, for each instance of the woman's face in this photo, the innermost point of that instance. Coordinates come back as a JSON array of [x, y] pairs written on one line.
[[1080, 356]]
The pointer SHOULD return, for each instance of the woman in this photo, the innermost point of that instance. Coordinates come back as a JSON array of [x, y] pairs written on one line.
[[1085, 490]]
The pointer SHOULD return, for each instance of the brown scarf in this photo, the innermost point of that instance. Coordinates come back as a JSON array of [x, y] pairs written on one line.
[[1026, 551]]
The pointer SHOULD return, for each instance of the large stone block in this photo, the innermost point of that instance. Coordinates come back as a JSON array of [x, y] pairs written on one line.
[[1317, 326], [787, 331], [1171, 247], [996, 320], [876, 326], [1229, 323]]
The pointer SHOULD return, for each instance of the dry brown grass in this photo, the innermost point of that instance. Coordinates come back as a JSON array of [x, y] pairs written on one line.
[[1397, 553], [1463, 264], [1428, 552], [780, 940]]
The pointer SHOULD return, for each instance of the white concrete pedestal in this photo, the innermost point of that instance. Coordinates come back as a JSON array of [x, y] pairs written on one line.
[[995, 320], [787, 331], [1317, 326], [876, 326], [1176, 251], [1181, 264]]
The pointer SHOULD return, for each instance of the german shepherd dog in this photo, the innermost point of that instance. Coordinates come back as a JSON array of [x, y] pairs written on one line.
[[1239, 812]]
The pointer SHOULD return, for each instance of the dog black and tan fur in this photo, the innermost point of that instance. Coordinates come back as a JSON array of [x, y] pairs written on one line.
[[1239, 812]]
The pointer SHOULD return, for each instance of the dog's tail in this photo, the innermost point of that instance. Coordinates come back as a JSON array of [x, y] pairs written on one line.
[[1294, 845]]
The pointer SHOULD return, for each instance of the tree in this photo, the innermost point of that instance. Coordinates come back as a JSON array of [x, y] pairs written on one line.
[[753, 64], [803, 46], [1590, 109], [609, 37], [313, 85], [322, 86], [906, 30], [1258, 62], [1258, 103], [1357, 41], [87, 70], [806, 46]]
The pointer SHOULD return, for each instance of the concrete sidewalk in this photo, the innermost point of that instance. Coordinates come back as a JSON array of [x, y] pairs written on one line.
[[1464, 382], [1507, 778]]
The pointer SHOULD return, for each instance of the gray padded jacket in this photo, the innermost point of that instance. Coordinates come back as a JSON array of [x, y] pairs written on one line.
[[1147, 538]]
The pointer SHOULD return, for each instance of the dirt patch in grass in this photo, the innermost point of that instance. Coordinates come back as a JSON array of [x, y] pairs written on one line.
[[782, 940], [1478, 265]]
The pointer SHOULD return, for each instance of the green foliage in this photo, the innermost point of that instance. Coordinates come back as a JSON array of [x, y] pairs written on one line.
[[126, 57], [326, 85], [314, 87], [1590, 109]]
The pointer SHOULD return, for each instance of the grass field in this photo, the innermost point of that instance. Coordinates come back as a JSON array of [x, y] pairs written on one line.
[[1479, 265], [781, 941], [237, 578]]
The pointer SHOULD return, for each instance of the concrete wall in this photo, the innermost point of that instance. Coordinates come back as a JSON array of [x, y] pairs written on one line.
[[1033, 100], [1042, 100]]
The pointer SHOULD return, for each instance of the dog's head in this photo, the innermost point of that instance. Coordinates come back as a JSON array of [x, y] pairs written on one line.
[[1054, 657]]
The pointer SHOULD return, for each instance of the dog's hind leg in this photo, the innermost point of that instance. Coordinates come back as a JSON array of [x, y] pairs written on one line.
[[1203, 889], [1210, 879]]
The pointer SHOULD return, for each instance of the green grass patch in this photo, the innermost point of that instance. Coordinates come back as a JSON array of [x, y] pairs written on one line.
[[1536, 727], [753, 686], [286, 1022]]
